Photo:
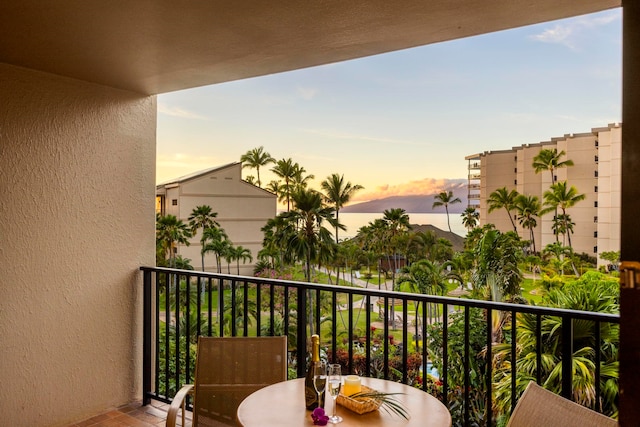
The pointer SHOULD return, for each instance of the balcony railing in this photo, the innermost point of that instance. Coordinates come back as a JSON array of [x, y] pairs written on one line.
[[415, 332]]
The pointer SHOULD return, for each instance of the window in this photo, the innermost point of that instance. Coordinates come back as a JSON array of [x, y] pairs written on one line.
[[595, 189], [595, 234], [596, 142], [595, 173], [515, 170], [595, 204], [555, 178], [174, 202], [595, 249], [596, 157], [595, 219], [515, 182]]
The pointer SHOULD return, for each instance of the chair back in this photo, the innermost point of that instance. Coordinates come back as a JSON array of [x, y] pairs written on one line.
[[540, 407], [230, 369]]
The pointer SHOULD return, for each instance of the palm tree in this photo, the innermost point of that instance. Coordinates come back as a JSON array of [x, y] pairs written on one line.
[[202, 217], [255, 159], [528, 208], [549, 160], [338, 192], [309, 215], [562, 196], [241, 254], [503, 198], [445, 198], [216, 241], [470, 217], [171, 231], [285, 169]]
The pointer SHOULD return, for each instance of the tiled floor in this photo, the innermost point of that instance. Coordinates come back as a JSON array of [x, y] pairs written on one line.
[[133, 415]]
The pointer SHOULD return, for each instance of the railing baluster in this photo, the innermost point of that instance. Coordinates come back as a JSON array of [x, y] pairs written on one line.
[[187, 332], [538, 349], [302, 330], [146, 341], [405, 341], [245, 324], [368, 345], [385, 345], [514, 367], [489, 364], [467, 384], [567, 357], [598, 351], [350, 329], [334, 327], [258, 309], [445, 354]]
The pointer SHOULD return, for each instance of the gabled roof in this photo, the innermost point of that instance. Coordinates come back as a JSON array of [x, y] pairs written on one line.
[[195, 175]]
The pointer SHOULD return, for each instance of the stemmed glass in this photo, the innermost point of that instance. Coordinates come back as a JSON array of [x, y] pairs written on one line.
[[319, 379], [335, 381]]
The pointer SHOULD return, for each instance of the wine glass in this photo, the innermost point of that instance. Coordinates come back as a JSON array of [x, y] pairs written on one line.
[[319, 379], [334, 377]]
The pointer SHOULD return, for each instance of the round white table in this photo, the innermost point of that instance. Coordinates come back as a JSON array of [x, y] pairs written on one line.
[[282, 404]]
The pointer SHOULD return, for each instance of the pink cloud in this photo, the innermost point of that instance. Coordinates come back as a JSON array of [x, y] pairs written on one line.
[[422, 187]]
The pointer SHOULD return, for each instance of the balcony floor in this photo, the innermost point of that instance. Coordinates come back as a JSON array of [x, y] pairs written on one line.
[[133, 415]]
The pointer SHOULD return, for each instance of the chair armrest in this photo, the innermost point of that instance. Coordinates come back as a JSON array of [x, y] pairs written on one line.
[[178, 402]]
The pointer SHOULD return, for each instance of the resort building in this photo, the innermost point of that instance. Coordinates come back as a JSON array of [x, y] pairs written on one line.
[[243, 209], [596, 174]]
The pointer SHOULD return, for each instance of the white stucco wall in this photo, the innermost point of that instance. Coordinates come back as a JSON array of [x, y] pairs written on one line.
[[77, 170]]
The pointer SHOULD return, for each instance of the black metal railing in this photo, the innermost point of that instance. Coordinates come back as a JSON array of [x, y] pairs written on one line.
[[438, 331]]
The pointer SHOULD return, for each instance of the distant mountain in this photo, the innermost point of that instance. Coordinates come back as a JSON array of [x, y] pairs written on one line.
[[411, 204]]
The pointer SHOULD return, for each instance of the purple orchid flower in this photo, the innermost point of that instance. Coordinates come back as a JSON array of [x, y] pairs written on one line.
[[320, 418]]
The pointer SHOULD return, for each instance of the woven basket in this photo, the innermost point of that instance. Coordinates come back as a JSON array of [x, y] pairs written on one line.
[[360, 405]]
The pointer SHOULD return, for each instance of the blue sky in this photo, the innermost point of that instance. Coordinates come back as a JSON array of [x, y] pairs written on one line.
[[402, 123]]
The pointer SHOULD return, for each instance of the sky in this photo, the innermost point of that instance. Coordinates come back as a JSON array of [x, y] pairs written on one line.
[[402, 123]]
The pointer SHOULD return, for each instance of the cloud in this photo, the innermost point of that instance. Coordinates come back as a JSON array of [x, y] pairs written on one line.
[[307, 93], [569, 33], [413, 188], [178, 112]]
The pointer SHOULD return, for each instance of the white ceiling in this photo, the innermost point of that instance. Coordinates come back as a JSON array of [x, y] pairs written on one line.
[[155, 46]]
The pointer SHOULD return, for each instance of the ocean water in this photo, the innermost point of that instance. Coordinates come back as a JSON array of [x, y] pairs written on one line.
[[353, 222]]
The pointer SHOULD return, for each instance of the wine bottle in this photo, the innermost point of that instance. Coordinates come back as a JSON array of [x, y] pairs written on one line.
[[310, 394]]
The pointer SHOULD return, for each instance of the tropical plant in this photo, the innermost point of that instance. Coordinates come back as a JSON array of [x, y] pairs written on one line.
[[562, 196], [591, 292], [202, 217], [470, 217], [255, 159], [612, 257], [549, 160], [216, 241], [171, 231], [445, 198], [286, 170], [309, 216], [338, 193], [503, 198], [238, 253], [528, 208]]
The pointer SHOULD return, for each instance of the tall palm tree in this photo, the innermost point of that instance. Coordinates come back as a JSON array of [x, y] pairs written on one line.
[[241, 254], [445, 198], [300, 177], [256, 159], [216, 241], [171, 231], [309, 215], [286, 169], [202, 217], [562, 196], [338, 192], [549, 160], [528, 208], [470, 217], [503, 198]]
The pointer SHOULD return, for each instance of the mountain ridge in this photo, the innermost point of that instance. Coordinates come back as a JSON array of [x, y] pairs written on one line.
[[411, 204]]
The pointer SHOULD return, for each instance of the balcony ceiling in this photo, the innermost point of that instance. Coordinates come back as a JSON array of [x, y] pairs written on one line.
[[155, 46]]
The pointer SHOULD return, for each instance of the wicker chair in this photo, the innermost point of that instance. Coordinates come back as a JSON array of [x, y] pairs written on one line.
[[227, 371], [540, 407]]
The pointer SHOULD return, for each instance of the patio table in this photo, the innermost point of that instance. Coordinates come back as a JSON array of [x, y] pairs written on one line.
[[282, 404]]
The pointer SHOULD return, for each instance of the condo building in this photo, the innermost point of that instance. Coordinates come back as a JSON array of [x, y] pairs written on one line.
[[596, 157]]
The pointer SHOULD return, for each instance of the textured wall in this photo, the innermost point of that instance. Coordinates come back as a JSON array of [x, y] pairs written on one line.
[[77, 172]]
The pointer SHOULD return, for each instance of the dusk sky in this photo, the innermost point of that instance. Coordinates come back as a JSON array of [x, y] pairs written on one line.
[[400, 123]]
